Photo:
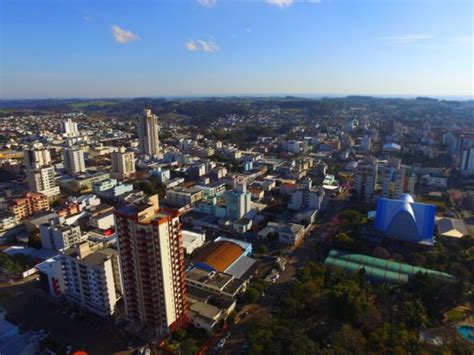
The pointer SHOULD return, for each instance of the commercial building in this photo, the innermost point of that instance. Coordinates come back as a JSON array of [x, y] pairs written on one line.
[[148, 134], [27, 205], [365, 179], [111, 189], [123, 164], [74, 161], [92, 278], [58, 236], [152, 263], [406, 220]]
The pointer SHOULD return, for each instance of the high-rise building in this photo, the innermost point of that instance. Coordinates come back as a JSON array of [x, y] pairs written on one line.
[[42, 181], [148, 134], [152, 262], [467, 162], [70, 129], [238, 201], [366, 178], [396, 179], [365, 144], [37, 157], [92, 278], [74, 160], [123, 164], [40, 172]]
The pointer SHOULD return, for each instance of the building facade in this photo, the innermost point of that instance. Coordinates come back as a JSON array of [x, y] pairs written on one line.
[[365, 179], [148, 134], [123, 164], [59, 236], [27, 205], [152, 261], [74, 162], [92, 278]]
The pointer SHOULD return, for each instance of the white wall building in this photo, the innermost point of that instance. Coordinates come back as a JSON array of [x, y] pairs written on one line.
[[92, 278], [467, 162], [74, 161], [148, 134], [192, 240], [123, 164], [59, 236]]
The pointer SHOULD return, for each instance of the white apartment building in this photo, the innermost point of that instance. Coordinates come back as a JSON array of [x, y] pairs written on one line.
[[123, 164], [70, 129], [92, 278], [365, 178], [59, 236], [148, 134], [42, 180], [74, 161]]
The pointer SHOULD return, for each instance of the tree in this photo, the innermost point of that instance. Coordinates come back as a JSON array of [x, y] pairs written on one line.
[[251, 295], [261, 249], [179, 334], [34, 241], [343, 241], [349, 339]]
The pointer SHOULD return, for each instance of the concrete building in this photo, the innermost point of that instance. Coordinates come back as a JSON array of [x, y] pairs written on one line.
[[467, 162], [92, 278], [152, 262], [42, 181], [148, 130], [70, 129], [365, 144], [238, 201], [123, 164], [37, 157], [27, 205], [74, 161], [365, 178], [182, 196], [13, 342], [306, 198], [59, 236], [192, 240]]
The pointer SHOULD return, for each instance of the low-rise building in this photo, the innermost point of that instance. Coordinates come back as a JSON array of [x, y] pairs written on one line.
[[27, 205], [59, 236]]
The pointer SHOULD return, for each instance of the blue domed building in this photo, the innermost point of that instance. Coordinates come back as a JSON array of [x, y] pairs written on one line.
[[406, 220]]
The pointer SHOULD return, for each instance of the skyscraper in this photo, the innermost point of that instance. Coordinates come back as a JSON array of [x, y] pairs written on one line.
[[152, 262], [123, 164], [74, 160], [37, 157], [148, 134]]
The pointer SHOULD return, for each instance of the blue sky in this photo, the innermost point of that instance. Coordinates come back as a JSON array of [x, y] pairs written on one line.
[[114, 48]]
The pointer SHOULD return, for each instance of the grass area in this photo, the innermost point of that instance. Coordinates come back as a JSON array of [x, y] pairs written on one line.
[[455, 315]]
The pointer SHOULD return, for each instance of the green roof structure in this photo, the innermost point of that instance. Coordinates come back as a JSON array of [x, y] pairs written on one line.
[[378, 270]]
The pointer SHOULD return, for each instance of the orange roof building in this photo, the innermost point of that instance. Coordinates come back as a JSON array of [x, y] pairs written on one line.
[[218, 256], [27, 205]]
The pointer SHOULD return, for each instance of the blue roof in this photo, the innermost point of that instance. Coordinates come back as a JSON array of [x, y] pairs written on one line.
[[405, 219]]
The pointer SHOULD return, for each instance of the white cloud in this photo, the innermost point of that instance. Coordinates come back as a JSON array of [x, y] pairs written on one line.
[[123, 36], [207, 3], [201, 46], [406, 39], [87, 18], [280, 3]]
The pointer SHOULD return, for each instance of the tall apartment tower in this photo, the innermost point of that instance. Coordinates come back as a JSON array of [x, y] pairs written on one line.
[[467, 162], [393, 179], [238, 201], [74, 161], [123, 164], [366, 178], [148, 130], [40, 172], [152, 262], [70, 128]]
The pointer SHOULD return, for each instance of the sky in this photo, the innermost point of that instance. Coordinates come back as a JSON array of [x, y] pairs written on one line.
[[115, 48]]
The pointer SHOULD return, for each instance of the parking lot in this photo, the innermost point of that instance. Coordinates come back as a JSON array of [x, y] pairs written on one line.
[[33, 309]]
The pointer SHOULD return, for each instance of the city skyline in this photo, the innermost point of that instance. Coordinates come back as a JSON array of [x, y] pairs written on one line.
[[199, 48]]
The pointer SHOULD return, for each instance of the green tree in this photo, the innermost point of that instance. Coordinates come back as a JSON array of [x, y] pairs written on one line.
[[350, 340], [34, 241]]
